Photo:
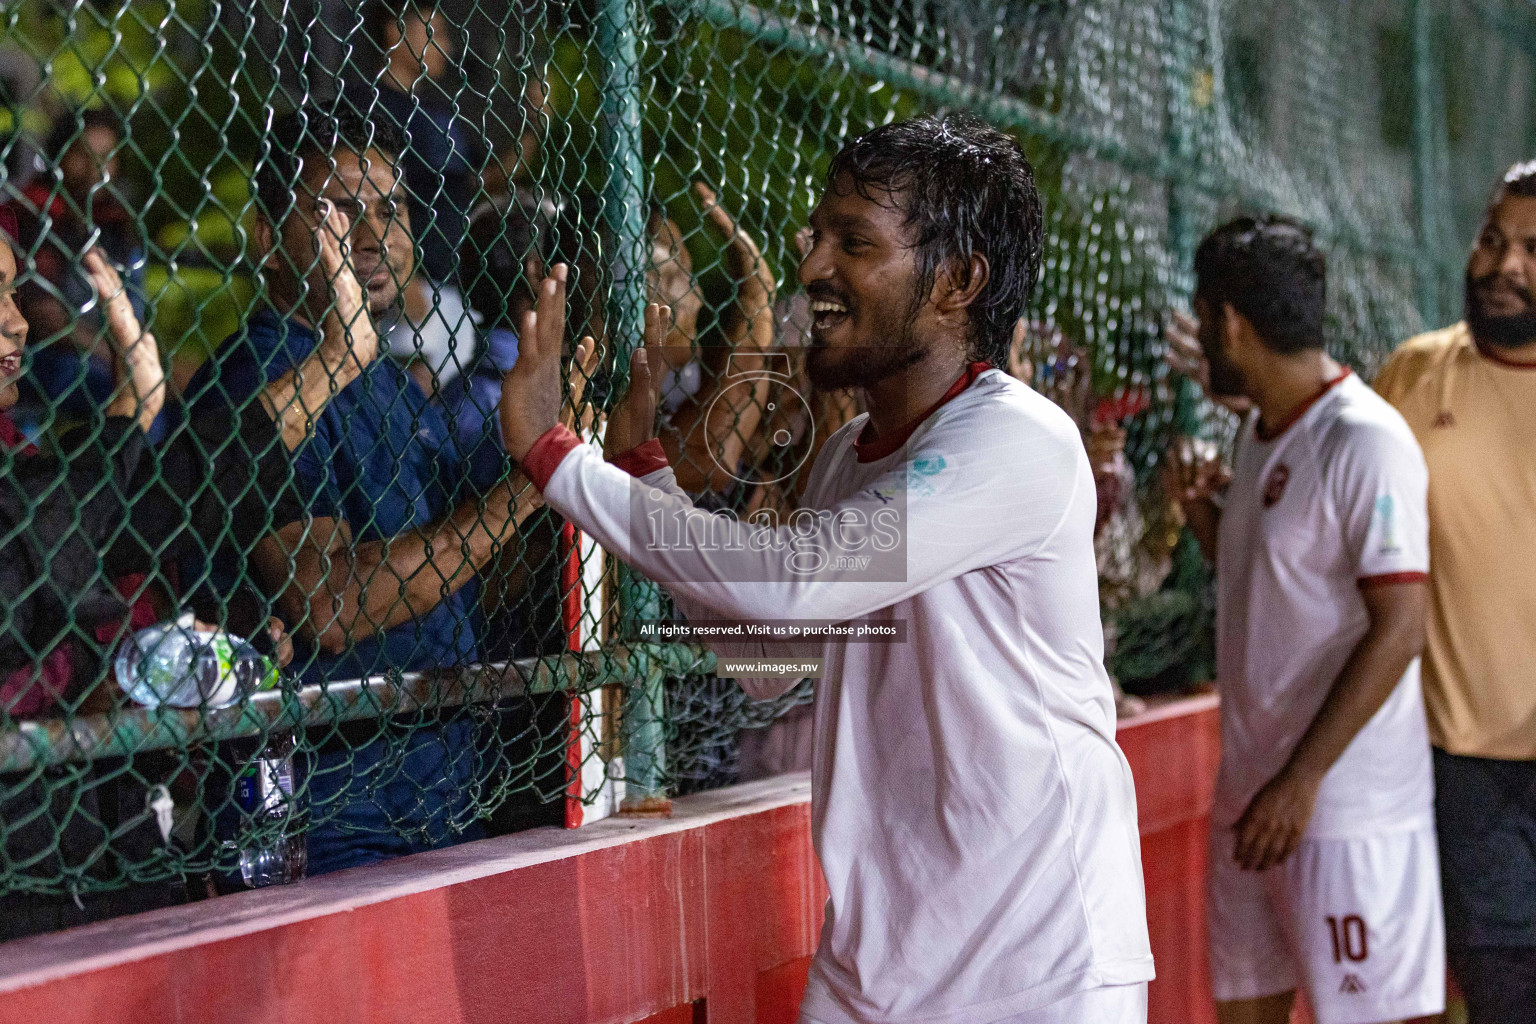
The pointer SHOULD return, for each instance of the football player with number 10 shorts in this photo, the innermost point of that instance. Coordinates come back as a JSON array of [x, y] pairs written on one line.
[[974, 818], [1323, 868]]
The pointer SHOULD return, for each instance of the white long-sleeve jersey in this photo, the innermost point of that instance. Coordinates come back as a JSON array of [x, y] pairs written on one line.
[[974, 817]]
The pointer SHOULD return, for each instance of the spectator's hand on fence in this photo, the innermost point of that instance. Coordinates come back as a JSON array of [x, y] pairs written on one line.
[[805, 241], [633, 421], [575, 415], [140, 377], [1194, 470], [282, 643], [349, 339], [1272, 826], [753, 321], [530, 392], [1187, 357]]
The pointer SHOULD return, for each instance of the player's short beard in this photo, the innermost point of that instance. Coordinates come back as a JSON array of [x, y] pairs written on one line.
[[1512, 331], [833, 369], [1226, 380]]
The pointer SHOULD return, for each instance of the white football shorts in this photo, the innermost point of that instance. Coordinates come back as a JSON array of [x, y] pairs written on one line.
[[1356, 923], [1116, 1004]]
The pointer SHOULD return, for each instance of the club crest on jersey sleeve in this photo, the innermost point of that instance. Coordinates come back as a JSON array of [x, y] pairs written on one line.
[[1274, 486], [921, 473]]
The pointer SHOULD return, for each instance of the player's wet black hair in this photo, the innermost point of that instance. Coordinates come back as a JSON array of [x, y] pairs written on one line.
[[310, 133], [965, 188], [1269, 270]]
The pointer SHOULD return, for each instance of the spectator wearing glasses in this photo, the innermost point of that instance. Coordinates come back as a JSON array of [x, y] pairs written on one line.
[[97, 554]]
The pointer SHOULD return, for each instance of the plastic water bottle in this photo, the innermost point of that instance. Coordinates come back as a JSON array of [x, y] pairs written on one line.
[[272, 829], [181, 667]]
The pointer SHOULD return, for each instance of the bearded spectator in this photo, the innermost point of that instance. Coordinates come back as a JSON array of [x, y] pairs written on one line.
[[1469, 393]]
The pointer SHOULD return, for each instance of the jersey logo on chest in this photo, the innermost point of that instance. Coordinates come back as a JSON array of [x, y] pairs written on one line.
[[1274, 487]]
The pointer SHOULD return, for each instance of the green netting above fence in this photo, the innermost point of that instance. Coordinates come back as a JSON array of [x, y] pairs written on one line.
[[482, 685]]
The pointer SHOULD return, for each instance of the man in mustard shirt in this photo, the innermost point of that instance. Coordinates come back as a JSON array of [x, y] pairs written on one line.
[[1469, 393]]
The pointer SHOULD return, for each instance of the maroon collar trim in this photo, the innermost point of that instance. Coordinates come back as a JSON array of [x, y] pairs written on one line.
[[873, 449], [1300, 411]]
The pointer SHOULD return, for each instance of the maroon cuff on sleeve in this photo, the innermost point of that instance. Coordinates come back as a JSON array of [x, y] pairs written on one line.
[[1389, 578], [547, 453], [642, 459]]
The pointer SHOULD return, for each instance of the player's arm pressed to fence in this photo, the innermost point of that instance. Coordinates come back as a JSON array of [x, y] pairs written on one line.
[[742, 572]]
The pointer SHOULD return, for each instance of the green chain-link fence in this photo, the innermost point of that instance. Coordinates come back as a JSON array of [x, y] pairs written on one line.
[[578, 132]]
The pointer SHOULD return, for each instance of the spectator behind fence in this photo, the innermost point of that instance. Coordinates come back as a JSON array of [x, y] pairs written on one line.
[[72, 204], [441, 165], [713, 398], [1469, 393], [380, 579], [504, 254], [222, 476]]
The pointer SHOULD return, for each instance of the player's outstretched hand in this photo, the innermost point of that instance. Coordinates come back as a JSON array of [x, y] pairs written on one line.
[[141, 377], [634, 419], [1187, 357], [530, 393], [1272, 826]]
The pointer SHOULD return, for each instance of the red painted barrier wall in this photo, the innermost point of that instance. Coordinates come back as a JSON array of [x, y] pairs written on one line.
[[710, 916]]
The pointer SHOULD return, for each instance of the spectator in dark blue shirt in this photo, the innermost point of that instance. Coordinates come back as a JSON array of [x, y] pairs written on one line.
[[378, 574], [509, 239]]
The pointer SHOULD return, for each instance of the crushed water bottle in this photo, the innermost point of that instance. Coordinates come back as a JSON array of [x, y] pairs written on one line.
[[272, 825], [181, 667]]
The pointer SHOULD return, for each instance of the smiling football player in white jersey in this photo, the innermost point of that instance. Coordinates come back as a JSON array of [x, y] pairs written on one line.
[[974, 817]]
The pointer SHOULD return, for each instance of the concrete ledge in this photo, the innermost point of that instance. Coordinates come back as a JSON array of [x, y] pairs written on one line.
[[46, 958], [711, 914]]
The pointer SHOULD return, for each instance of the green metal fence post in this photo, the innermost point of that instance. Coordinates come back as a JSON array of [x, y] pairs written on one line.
[[1427, 197], [1183, 165], [624, 210]]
